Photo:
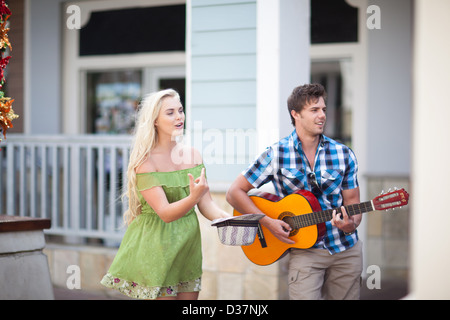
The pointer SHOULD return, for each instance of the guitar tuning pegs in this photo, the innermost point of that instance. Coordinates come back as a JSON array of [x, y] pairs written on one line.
[[382, 192], [389, 190]]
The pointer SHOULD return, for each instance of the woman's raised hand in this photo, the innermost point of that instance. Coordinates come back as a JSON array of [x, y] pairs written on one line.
[[199, 187]]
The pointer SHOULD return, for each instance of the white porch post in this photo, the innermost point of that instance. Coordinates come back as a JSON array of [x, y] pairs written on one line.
[[430, 217], [283, 62]]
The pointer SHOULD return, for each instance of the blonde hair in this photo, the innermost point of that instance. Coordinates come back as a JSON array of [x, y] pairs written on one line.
[[145, 138]]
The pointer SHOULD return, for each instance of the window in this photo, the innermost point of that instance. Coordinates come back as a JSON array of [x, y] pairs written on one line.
[[333, 21], [334, 76], [151, 29], [112, 99], [124, 50]]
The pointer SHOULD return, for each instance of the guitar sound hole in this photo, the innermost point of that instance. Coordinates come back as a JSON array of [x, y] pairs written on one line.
[[287, 217]]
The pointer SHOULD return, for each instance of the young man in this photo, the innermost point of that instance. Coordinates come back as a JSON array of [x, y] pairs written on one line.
[[307, 159]]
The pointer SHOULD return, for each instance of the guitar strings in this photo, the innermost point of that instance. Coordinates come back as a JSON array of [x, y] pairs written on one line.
[[309, 219]]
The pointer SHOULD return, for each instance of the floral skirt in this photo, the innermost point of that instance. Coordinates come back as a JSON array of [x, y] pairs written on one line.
[[136, 291]]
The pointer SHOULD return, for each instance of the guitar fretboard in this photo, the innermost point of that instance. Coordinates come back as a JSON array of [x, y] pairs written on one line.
[[309, 219]]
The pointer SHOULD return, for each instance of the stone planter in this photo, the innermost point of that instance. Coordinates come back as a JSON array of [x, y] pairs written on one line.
[[24, 272]]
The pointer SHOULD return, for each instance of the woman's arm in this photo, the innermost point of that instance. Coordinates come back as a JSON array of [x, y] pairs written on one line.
[[209, 209], [169, 212]]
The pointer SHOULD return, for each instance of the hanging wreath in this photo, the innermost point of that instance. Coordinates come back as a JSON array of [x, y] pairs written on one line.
[[7, 114]]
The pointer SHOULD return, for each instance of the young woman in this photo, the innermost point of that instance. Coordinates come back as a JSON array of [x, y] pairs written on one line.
[[160, 255]]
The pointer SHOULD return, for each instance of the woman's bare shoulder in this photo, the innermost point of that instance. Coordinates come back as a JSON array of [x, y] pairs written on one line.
[[147, 166]]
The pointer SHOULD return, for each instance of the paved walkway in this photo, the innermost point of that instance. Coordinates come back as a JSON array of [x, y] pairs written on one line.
[[67, 294], [392, 290]]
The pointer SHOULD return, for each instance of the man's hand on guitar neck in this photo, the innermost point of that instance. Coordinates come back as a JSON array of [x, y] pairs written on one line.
[[278, 228], [346, 223]]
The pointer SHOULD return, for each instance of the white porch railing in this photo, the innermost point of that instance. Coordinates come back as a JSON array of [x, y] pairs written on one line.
[[76, 181]]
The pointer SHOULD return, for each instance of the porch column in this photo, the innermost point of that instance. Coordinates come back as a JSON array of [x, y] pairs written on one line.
[[430, 217], [283, 62]]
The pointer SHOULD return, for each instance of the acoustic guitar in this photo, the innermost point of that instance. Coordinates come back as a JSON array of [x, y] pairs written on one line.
[[302, 211]]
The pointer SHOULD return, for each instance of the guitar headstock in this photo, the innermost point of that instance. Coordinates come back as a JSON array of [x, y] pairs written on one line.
[[391, 199]]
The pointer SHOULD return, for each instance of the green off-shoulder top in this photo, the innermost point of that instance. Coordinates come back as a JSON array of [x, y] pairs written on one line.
[[154, 254]]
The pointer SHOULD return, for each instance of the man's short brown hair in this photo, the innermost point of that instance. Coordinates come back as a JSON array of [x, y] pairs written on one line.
[[304, 95]]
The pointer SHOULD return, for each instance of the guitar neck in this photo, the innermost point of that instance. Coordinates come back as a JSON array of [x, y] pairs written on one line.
[[313, 218]]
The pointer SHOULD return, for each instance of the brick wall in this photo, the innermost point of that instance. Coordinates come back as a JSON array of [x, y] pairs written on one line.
[[388, 232]]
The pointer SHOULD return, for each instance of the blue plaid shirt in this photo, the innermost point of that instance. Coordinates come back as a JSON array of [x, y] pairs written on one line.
[[286, 166]]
